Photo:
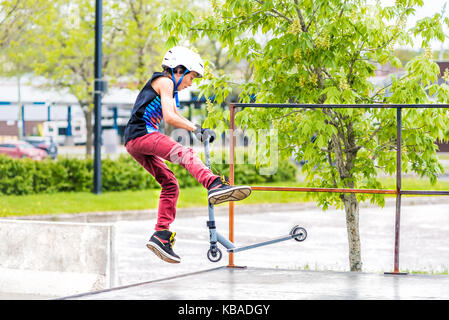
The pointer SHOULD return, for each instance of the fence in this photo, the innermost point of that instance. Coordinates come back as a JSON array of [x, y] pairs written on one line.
[[398, 191]]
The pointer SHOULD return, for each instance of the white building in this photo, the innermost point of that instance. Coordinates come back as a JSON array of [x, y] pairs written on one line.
[[33, 110]]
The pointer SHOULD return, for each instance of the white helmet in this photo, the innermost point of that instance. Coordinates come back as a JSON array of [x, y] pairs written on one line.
[[185, 57]]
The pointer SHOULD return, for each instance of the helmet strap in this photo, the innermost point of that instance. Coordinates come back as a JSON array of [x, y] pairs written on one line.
[[176, 85]]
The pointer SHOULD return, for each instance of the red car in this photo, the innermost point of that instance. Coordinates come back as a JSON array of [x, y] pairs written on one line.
[[22, 149]]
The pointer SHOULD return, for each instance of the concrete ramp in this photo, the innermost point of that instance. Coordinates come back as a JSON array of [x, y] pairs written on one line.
[[55, 258], [279, 284]]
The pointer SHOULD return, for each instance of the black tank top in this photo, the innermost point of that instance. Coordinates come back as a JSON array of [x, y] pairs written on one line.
[[146, 115]]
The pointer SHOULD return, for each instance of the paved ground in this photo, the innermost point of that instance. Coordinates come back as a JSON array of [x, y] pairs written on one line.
[[280, 284], [313, 269]]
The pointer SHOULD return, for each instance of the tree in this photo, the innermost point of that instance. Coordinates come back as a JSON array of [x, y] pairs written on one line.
[[16, 55], [325, 51], [59, 46], [15, 18], [142, 43]]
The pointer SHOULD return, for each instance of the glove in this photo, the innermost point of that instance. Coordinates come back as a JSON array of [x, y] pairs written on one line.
[[203, 133]]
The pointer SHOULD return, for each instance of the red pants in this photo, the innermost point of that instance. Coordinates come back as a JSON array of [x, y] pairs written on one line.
[[148, 151]]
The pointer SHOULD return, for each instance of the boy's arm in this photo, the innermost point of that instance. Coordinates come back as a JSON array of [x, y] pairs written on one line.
[[169, 112]]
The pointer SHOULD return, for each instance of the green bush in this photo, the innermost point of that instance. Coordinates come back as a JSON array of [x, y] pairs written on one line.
[[25, 176], [49, 176], [16, 176], [125, 174]]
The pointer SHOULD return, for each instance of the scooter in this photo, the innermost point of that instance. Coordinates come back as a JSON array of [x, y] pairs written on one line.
[[214, 253]]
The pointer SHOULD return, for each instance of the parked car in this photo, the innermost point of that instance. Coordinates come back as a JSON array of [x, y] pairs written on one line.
[[22, 149], [43, 143]]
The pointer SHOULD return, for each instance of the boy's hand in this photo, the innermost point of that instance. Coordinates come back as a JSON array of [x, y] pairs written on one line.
[[203, 133]]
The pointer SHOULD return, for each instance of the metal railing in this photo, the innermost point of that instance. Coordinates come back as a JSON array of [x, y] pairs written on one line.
[[398, 190]]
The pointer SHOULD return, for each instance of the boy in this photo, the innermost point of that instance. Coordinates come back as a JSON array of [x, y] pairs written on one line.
[[156, 101]]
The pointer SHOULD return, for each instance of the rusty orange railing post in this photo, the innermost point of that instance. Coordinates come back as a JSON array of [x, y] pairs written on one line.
[[231, 179]]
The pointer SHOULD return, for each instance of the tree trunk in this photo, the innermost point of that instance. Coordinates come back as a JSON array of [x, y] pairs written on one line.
[[350, 202], [89, 129], [352, 226]]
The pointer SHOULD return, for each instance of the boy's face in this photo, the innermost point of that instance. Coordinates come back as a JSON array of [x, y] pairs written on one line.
[[187, 80]]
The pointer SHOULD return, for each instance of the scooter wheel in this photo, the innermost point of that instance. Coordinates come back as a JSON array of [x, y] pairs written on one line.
[[301, 233], [214, 254]]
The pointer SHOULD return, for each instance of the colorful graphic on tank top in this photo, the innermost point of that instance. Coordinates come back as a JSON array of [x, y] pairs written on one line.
[[153, 115]]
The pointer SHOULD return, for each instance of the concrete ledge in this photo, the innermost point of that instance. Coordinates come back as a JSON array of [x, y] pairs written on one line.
[[55, 258]]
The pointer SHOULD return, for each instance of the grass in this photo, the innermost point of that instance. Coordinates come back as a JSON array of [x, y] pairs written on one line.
[[71, 202], [430, 272], [443, 155], [443, 272], [415, 184], [58, 203]]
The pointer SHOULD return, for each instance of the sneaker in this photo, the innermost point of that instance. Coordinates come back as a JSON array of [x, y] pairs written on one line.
[[221, 191], [161, 243]]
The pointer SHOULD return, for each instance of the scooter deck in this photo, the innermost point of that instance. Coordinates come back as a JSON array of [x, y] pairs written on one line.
[[260, 244]]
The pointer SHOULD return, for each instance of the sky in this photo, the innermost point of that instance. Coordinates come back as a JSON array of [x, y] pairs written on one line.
[[429, 8]]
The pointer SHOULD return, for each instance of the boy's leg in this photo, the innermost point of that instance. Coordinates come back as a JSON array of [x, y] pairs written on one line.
[[170, 188], [162, 241], [174, 152], [168, 197], [219, 189]]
